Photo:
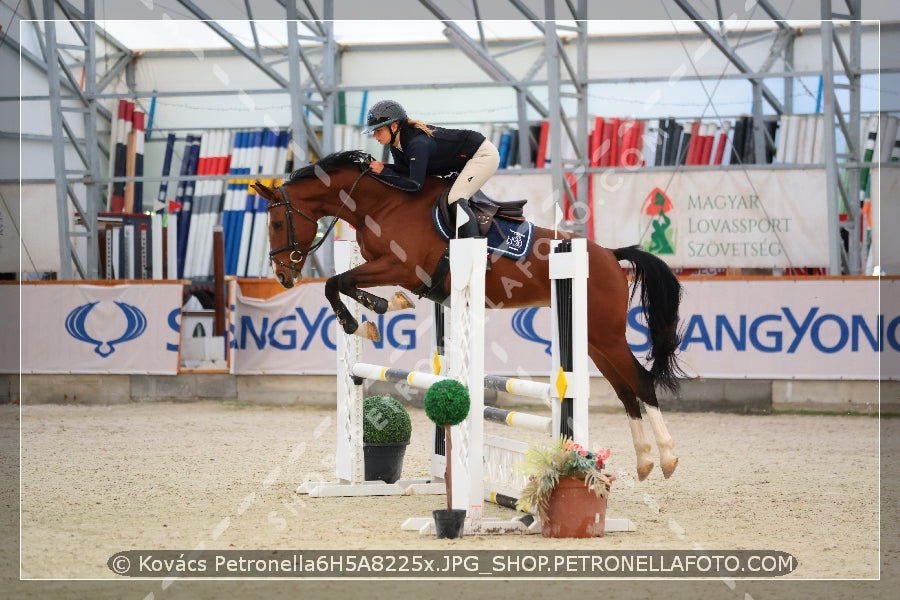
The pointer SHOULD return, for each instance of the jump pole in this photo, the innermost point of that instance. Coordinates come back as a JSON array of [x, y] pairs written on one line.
[[519, 387]]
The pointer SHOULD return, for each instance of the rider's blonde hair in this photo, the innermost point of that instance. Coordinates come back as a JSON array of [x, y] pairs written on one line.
[[422, 125]]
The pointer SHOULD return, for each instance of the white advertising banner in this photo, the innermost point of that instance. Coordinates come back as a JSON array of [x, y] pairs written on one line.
[[294, 332], [750, 218], [785, 329], [78, 328], [777, 328]]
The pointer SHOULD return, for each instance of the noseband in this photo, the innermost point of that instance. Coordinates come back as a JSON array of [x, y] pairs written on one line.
[[299, 254]]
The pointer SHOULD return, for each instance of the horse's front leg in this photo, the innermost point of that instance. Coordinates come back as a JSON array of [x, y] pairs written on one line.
[[347, 283]]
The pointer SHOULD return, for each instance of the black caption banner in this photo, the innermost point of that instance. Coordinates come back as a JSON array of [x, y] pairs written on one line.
[[326, 564]]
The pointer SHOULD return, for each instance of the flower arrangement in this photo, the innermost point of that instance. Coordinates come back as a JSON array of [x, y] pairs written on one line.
[[545, 465]]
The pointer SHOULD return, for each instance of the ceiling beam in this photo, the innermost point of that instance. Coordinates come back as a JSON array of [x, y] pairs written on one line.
[[722, 44]]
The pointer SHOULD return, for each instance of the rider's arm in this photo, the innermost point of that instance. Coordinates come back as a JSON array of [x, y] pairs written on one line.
[[408, 170]]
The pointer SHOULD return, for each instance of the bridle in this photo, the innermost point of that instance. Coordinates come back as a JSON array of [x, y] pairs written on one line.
[[299, 254]]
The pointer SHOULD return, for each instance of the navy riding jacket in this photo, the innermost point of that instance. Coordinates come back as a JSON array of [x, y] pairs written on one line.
[[446, 151]]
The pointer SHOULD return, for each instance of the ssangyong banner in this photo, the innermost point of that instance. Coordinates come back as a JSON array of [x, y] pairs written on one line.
[[786, 329], [775, 328], [729, 218], [78, 328]]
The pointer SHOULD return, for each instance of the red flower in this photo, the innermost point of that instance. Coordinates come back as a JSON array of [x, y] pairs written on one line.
[[602, 455]]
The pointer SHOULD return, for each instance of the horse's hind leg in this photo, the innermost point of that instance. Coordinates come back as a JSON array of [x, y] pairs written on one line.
[[647, 392], [642, 448], [632, 382], [399, 301]]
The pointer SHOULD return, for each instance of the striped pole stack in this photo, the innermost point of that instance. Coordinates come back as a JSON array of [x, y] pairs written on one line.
[[233, 213], [185, 198], [137, 138], [121, 129], [182, 245], [160, 214], [800, 139], [272, 159], [250, 168], [214, 160], [127, 159], [259, 233]]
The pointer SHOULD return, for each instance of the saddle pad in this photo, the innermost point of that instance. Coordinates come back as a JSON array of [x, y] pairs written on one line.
[[512, 239]]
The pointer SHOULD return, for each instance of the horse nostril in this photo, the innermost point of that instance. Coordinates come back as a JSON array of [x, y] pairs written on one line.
[[280, 278]]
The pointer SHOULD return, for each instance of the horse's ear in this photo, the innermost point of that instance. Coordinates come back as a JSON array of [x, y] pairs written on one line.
[[262, 190]]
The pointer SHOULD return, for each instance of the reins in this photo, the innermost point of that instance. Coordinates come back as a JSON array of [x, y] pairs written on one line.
[[298, 254]]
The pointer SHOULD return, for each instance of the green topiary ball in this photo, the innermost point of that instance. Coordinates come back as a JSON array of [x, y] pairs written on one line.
[[385, 421], [447, 402]]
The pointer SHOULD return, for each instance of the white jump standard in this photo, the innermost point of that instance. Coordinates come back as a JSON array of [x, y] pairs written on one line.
[[350, 465]]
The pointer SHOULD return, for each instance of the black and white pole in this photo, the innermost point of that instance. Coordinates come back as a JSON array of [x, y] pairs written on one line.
[[569, 376]]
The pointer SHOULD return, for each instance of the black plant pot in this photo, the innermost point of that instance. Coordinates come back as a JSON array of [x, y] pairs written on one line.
[[449, 523], [384, 461]]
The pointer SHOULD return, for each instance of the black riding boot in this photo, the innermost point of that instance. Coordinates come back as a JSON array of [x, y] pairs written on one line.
[[469, 229]]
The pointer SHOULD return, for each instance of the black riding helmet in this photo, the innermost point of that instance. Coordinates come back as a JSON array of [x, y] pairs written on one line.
[[384, 113]]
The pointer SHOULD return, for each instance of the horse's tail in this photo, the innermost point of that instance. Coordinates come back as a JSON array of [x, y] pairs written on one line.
[[660, 297]]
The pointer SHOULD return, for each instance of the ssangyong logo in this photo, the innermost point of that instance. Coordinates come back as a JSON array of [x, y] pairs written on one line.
[[523, 326], [135, 324]]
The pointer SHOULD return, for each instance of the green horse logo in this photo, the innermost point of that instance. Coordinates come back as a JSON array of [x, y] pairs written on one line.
[[656, 207]]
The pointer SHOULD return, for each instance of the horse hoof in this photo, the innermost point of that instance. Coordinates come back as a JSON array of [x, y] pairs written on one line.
[[644, 471], [669, 468], [368, 331], [400, 301]]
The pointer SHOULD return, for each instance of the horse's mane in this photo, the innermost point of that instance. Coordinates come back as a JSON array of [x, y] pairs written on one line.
[[331, 162]]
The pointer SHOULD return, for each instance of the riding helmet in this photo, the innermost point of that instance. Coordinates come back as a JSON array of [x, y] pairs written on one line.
[[384, 113]]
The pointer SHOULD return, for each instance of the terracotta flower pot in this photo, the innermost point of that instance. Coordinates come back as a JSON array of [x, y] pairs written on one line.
[[574, 511]]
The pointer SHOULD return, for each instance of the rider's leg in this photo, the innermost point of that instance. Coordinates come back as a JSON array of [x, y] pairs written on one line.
[[477, 171]]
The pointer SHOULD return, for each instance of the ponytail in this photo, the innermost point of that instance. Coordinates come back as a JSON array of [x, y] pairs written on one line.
[[421, 125]]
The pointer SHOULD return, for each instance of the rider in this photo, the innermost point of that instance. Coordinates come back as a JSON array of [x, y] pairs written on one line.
[[420, 149]]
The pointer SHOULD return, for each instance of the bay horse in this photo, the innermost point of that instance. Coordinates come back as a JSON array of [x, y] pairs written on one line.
[[398, 240]]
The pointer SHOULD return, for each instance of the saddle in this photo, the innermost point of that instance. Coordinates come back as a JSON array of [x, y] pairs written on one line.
[[486, 210], [502, 223]]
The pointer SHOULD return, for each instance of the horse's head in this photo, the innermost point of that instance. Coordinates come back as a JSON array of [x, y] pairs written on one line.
[[312, 192], [292, 233]]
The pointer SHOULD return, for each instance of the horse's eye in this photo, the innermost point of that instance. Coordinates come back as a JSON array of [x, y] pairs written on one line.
[[277, 225]]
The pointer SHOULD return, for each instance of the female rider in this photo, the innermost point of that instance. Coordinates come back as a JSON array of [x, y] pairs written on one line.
[[420, 149]]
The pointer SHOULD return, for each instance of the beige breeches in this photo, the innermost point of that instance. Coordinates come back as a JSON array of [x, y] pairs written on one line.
[[478, 170]]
